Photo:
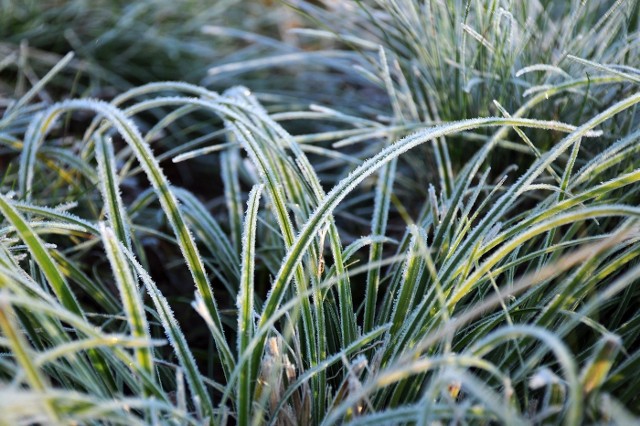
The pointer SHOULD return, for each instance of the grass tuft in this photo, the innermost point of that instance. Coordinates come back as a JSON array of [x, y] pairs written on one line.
[[319, 212]]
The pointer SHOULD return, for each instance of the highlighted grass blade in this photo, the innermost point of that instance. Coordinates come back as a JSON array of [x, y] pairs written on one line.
[[245, 304]]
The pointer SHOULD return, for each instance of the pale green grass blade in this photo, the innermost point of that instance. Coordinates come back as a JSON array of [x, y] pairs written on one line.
[[57, 215], [384, 189], [608, 69], [167, 199], [340, 191], [41, 256], [129, 295], [245, 304], [176, 338], [23, 355], [24, 100], [109, 187], [66, 349]]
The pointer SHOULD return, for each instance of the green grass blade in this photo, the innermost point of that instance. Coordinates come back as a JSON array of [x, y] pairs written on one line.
[[41, 256], [245, 304], [384, 189], [129, 295], [176, 338], [116, 213], [167, 199], [23, 355]]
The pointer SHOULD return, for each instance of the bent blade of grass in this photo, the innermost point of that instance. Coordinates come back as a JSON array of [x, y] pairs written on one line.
[[41, 256], [544, 226], [149, 163], [472, 166], [345, 186], [57, 215], [348, 321], [616, 152], [561, 352], [69, 348], [131, 301], [245, 304], [507, 199], [605, 68]]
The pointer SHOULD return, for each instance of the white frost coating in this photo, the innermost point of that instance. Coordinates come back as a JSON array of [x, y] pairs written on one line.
[[542, 67], [543, 377], [33, 136], [62, 216], [610, 154], [606, 68]]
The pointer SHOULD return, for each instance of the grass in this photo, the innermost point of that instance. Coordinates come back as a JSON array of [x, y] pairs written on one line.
[[354, 212]]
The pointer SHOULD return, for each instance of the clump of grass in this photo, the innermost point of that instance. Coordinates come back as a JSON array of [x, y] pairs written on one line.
[[472, 297]]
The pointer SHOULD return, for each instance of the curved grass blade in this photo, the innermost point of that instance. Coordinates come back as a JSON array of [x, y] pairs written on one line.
[[41, 256], [344, 187], [167, 199]]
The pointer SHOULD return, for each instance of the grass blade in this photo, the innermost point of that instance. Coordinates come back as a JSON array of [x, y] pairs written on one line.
[[245, 304]]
